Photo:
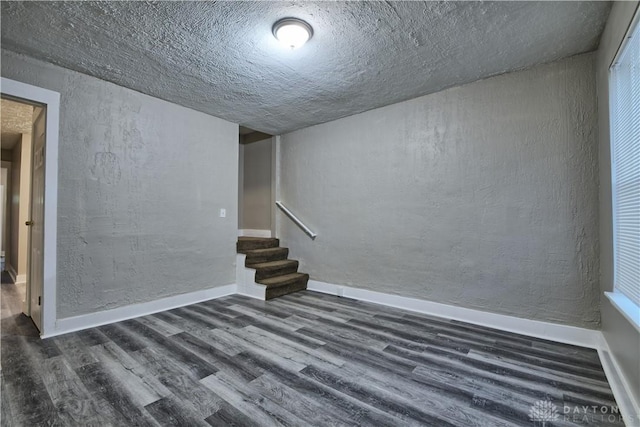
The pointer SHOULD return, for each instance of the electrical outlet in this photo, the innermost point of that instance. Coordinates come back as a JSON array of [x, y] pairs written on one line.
[[223, 213]]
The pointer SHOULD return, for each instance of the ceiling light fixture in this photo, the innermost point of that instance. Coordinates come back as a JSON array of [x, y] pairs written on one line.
[[292, 32]]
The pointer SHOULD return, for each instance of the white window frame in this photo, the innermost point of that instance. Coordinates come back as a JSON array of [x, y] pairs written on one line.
[[629, 309]]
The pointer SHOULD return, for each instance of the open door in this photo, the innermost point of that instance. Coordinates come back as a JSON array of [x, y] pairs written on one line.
[[35, 278]]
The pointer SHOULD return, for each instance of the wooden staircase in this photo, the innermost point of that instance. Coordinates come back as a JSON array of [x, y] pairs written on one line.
[[273, 268]]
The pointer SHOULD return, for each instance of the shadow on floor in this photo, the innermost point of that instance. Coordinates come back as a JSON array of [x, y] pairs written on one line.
[[6, 278], [12, 320]]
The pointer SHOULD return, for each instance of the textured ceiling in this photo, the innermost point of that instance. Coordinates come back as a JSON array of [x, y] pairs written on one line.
[[16, 119], [220, 57]]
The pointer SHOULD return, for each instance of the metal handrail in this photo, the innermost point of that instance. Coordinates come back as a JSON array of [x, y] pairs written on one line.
[[295, 219]]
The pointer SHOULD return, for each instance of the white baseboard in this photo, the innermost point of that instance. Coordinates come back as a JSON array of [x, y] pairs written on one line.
[[91, 320], [12, 272], [534, 328], [250, 296], [629, 407], [254, 233], [18, 279]]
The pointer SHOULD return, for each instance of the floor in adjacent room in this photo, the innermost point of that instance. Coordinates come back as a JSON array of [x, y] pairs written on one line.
[[303, 359]]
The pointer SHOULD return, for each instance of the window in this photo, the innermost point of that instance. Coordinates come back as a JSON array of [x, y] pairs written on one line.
[[625, 155]]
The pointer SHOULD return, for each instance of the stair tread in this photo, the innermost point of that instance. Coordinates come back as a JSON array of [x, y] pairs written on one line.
[[257, 239], [282, 280], [268, 264], [246, 244], [264, 251]]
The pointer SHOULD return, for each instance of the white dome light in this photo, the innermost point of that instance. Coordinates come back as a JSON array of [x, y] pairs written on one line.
[[292, 32]]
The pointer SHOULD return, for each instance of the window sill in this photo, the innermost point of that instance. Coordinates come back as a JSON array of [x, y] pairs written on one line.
[[625, 306]]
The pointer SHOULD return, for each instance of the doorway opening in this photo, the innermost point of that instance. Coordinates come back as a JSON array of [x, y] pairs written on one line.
[[255, 183], [30, 123]]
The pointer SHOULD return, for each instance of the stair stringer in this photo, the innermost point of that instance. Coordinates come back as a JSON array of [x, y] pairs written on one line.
[[245, 279]]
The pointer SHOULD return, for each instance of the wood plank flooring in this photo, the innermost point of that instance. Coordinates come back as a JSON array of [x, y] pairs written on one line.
[[304, 359]]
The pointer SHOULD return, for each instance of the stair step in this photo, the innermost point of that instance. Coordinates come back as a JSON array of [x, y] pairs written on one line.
[[257, 256], [286, 284], [286, 279], [245, 244], [273, 269], [269, 269]]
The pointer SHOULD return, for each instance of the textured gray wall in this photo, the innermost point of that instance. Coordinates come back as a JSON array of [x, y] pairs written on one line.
[[240, 184], [483, 196], [140, 184], [623, 338], [256, 197]]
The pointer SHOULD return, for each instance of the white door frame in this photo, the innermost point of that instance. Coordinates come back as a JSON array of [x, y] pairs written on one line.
[[52, 100]]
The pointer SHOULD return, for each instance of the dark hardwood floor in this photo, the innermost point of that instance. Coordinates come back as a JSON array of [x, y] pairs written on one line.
[[304, 359]]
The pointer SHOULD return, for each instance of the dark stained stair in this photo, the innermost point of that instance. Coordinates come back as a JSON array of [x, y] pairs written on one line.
[[273, 268]]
